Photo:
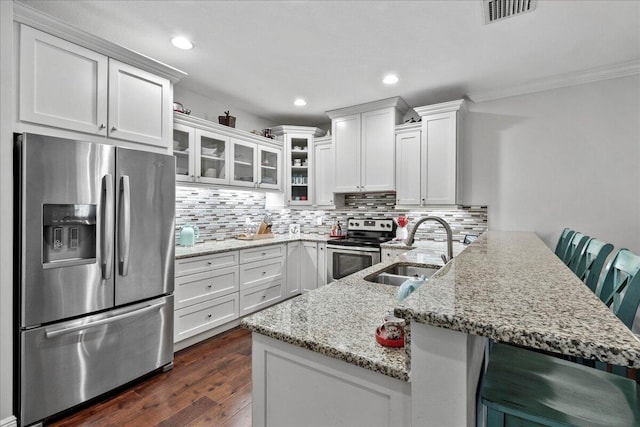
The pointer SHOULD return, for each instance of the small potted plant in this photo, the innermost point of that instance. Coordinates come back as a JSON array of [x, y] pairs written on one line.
[[227, 120]]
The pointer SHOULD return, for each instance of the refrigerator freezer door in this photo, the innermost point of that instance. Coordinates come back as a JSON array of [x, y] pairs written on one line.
[[66, 201], [71, 362], [145, 206]]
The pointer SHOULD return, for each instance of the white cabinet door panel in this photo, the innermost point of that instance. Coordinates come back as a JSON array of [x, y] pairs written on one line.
[[294, 254], [346, 142], [324, 175], [138, 105], [408, 170], [309, 266], [378, 151], [62, 84], [439, 135]]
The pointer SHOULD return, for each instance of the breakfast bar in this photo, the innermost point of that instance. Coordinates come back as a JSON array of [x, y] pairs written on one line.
[[506, 286]]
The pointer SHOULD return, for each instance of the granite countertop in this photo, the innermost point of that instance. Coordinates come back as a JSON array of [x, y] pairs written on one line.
[[508, 286], [219, 246]]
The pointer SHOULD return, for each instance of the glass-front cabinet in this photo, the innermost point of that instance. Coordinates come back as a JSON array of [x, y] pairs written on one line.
[[213, 154], [201, 156], [183, 147], [300, 153], [243, 167], [209, 153], [270, 167]]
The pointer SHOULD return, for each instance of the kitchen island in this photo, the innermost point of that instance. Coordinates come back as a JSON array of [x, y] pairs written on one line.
[[507, 286]]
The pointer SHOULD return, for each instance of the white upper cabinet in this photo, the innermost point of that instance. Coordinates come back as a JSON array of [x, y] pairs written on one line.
[[67, 87], [244, 159], [140, 105], [364, 149], [324, 176], [408, 165], [62, 84], [429, 157], [300, 163]]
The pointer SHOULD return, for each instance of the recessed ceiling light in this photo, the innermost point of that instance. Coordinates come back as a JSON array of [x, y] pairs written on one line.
[[390, 79], [299, 102], [182, 43]]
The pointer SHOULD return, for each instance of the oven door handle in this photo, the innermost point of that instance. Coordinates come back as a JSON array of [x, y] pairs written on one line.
[[353, 249]]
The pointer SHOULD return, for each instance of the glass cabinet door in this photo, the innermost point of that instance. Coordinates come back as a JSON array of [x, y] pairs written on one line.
[[183, 151], [244, 163], [212, 165], [270, 167], [300, 155]]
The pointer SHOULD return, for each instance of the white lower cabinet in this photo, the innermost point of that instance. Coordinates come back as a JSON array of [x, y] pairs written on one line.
[[294, 255], [206, 293], [261, 281], [313, 266], [259, 297], [201, 317], [213, 291]]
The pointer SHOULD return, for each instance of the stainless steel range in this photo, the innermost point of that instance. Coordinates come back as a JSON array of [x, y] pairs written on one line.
[[360, 249]]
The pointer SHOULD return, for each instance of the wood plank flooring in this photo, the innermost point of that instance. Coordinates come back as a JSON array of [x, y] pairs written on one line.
[[209, 385]]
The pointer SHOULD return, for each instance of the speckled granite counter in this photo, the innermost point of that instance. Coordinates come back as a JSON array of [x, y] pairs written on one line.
[[228, 245], [508, 286]]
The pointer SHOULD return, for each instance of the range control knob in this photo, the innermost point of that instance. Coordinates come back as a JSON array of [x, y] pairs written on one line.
[[388, 225], [357, 224]]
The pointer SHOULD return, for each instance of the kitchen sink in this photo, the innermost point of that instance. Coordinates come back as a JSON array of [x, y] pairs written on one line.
[[397, 274]]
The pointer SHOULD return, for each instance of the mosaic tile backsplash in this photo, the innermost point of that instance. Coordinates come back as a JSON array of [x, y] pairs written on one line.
[[221, 214]]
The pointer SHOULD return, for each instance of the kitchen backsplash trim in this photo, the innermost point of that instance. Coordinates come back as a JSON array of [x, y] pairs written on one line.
[[222, 213]]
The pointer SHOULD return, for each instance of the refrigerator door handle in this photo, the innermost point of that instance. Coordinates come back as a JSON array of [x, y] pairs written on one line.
[[124, 225], [107, 226], [53, 333]]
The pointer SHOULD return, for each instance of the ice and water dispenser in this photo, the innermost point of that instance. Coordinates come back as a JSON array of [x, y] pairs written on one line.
[[69, 235]]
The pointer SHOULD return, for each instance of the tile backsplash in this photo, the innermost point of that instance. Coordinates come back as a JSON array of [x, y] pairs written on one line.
[[221, 214]]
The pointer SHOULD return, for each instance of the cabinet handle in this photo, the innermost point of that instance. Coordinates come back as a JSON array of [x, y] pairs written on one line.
[[264, 253], [264, 296], [209, 316], [102, 126], [209, 286], [209, 262], [113, 129], [264, 272]]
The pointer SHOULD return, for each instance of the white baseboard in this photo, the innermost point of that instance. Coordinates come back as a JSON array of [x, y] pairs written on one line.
[[9, 422]]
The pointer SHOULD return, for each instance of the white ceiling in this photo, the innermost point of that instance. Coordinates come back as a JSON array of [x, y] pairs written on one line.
[[260, 55]]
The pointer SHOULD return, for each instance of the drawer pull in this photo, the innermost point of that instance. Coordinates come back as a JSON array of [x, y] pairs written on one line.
[[209, 316], [264, 272], [209, 262], [264, 296], [263, 253], [209, 286]]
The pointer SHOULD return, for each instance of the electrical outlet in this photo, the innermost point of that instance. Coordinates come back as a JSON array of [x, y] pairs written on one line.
[[319, 220]]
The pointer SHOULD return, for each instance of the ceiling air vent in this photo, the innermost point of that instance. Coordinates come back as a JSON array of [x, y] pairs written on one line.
[[495, 10]]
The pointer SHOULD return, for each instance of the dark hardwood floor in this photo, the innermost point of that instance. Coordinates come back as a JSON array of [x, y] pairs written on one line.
[[209, 385]]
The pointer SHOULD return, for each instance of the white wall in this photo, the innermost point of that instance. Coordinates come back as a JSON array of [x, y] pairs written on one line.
[[567, 157], [210, 109], [6, 204]]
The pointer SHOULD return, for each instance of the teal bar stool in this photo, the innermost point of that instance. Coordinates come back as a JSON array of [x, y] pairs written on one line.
[[525, 388], [619, 274], [563, 242], [589, 264], [575, 246]]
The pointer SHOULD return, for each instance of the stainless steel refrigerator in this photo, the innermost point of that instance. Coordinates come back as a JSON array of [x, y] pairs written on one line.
[[94, 280]]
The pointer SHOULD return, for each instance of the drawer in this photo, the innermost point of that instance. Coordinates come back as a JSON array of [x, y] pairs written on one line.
[[260, 297], [206, 262], [195, 288], [197, 318], [262, 252], [261, 272]]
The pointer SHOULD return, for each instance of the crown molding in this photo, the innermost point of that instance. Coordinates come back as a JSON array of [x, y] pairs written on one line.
[[558, 81], [308, 130], [395, 102], [27, 15], [445, 107]]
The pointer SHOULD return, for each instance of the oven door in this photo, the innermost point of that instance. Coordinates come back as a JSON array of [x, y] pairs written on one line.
[[343, 260]]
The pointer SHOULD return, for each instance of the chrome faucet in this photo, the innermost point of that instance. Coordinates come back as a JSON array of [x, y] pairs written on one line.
[[410, 238]]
